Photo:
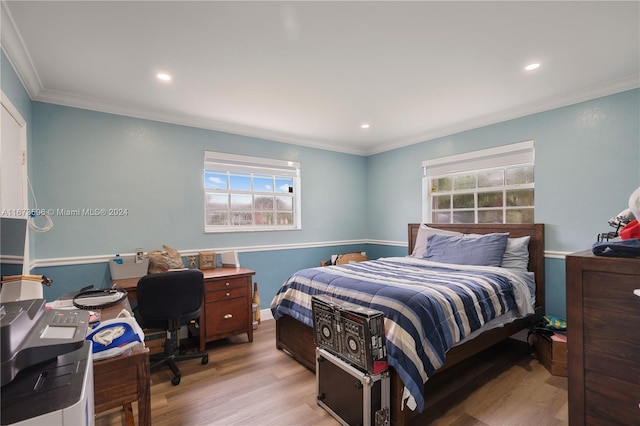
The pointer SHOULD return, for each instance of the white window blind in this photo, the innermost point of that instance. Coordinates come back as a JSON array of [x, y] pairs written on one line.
[[507, 155]]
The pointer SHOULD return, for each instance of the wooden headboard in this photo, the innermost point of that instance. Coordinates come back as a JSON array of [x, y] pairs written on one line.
[[536, 243]]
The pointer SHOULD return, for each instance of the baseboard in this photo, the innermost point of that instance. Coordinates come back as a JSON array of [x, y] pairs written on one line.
[[265, 315]]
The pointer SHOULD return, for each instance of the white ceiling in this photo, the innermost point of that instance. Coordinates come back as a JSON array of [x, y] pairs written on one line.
[[311, 73]]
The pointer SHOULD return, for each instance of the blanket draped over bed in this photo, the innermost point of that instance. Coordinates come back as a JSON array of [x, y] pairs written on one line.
[[428, 307]]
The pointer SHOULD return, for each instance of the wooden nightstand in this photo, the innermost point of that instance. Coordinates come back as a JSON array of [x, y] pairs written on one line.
[[227, 307]]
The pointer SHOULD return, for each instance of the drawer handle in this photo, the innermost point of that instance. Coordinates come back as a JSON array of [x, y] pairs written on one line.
[[228, 316], [227, 284], [637, 292], [228, 294]]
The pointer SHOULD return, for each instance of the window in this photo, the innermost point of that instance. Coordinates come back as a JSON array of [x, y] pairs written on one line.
[[489, 186], [250, 194]]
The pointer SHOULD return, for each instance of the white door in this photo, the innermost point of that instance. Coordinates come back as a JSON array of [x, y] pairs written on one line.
[[13, 169], [13, 161]]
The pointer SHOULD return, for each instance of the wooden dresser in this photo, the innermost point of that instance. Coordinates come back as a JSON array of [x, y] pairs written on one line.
[[603, 334]]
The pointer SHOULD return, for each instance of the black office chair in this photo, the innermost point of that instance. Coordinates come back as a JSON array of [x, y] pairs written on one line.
[[169, 300]]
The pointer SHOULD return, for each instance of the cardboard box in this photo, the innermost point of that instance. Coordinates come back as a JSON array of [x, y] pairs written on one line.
[[551, 351], [154, 340], [351, 258]]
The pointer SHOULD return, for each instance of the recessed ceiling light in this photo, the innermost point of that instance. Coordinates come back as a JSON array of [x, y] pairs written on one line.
[[532, 67], [365, 126], [163, 76]]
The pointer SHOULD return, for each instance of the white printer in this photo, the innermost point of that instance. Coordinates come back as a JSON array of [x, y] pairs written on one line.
[[46, 365]]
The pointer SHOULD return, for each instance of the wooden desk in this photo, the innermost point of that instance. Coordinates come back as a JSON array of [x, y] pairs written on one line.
[[227, 306], [129, 284], [123, 379]]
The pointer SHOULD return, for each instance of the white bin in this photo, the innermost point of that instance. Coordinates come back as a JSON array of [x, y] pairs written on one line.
[[129, 268]]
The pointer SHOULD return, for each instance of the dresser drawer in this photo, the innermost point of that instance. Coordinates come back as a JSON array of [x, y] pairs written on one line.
[[611, 292], [226, 294], [611, 315], [611, 401], [611, 323], [610, 334], [226, 317]]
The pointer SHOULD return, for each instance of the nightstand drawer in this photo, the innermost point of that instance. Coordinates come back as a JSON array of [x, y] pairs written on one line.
[[223, 284], [225, 317], [226, 294]]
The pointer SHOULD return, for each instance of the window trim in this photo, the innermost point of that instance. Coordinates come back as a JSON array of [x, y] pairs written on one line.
[[255, 165], [521, 153]]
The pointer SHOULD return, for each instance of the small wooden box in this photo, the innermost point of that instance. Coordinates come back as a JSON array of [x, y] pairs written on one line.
[[551, 351]]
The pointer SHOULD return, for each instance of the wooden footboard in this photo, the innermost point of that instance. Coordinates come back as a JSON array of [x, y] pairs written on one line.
[[296, 339]]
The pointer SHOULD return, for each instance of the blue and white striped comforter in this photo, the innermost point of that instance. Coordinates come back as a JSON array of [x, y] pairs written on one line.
[[428, 306]]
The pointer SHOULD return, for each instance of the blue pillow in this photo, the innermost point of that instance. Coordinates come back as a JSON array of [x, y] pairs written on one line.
[[484, 250]]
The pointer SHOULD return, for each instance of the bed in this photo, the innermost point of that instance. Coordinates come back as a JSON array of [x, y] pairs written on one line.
[[294, 333]]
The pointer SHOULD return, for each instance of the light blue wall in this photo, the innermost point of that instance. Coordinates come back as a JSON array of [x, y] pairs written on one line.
[[86, 159], [587, 165]]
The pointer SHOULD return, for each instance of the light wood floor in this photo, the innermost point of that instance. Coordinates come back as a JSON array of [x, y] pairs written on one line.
[[255, 384]]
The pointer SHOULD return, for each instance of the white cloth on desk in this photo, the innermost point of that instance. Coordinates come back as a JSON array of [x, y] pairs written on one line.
[[112, 337]]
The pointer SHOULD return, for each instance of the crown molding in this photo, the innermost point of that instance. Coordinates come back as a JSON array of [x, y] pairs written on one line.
[[17, 54]]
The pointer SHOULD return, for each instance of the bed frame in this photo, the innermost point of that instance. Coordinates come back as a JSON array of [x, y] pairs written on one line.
[[296, 338]]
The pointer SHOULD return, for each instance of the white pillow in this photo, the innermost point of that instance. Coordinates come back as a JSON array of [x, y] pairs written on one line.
[[420, 248], [516, 255]]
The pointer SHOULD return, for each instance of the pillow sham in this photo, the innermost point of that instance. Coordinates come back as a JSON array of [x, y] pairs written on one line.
[[424, 232], [483, 250], [516, 255]]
